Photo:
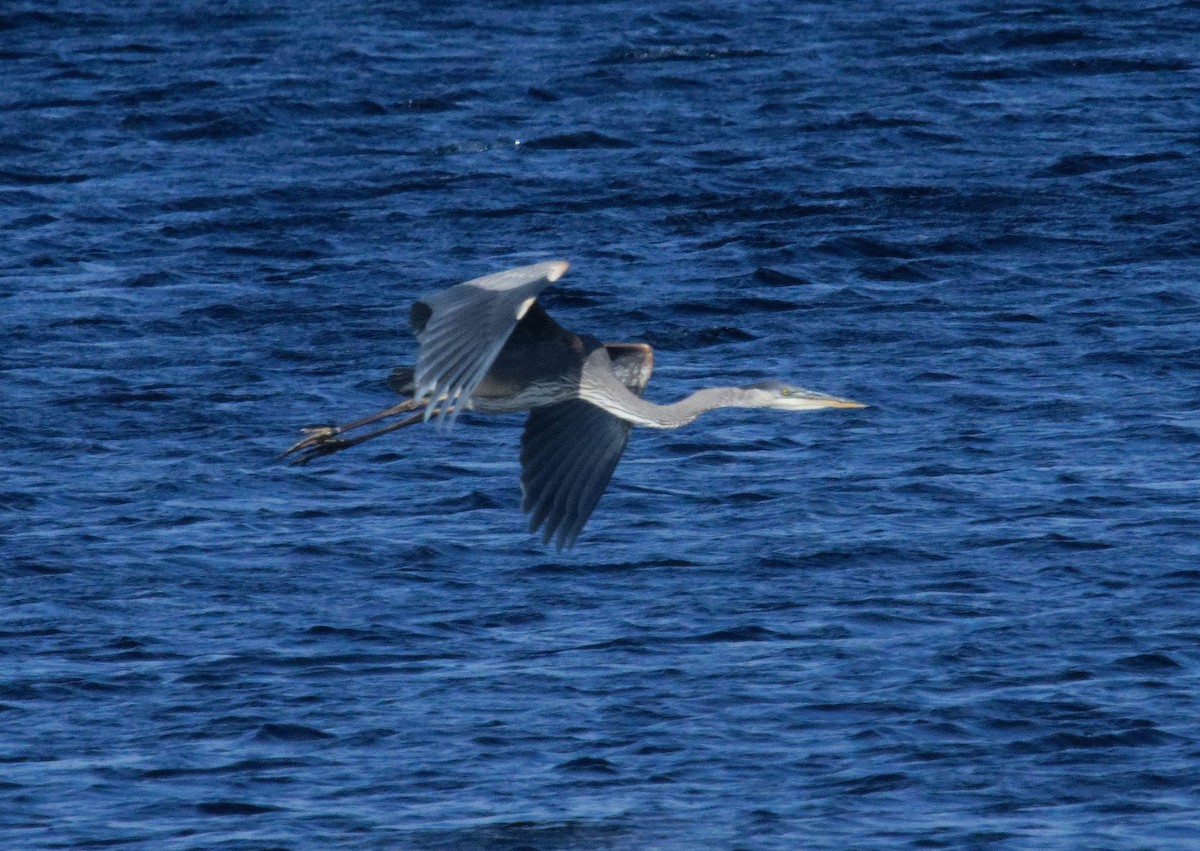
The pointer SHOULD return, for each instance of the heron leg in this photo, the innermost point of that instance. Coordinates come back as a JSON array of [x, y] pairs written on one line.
[[333, 443], [319, 435]]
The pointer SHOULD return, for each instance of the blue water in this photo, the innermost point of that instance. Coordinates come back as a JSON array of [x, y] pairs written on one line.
[[965, 617]]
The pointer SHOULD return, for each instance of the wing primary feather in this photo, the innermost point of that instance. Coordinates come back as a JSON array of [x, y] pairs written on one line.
[[544, 459], [588, 491], [446, 388], [552, 483], [456, 375], [461, 331], [565, 499], [583, 496], [558, 473], [441, 363], [568, 455], [541, 452], [590, 482], [554, 470], [469, 384]]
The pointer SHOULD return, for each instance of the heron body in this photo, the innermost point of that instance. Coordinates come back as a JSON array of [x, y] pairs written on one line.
[[488, 346]]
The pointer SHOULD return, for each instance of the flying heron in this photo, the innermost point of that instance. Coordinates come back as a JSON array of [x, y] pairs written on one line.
[[488, 346]]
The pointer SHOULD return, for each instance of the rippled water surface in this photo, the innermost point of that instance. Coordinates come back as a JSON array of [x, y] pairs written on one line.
[[966, 616]]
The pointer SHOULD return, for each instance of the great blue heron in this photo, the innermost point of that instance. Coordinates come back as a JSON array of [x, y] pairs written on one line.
[[487, 345]]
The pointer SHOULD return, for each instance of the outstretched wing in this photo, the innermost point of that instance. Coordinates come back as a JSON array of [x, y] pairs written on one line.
[[463, 328], [570, 449]]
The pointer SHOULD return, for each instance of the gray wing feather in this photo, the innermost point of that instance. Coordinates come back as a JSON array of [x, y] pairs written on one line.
[[570, 449], [462, 329], [568, 453]]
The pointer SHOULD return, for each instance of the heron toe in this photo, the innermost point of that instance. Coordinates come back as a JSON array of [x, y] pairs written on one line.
[[327, 445], [317, 435]]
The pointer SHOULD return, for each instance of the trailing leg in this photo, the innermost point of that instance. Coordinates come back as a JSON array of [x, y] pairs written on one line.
[[324, 435]]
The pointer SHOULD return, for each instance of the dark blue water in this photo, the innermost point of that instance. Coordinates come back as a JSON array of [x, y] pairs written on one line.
[[966, 617]]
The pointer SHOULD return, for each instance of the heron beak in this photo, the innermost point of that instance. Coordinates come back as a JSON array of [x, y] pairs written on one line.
[[810, 400]]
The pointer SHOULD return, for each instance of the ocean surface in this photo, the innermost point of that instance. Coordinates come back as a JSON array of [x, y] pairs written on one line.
[[967, 616]]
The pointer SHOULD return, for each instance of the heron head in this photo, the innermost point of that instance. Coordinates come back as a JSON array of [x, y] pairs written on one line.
[[785, 397]]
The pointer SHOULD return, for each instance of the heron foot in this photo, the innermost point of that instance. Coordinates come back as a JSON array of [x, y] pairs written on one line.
[[317, 436], [324, 440], [317, 446]]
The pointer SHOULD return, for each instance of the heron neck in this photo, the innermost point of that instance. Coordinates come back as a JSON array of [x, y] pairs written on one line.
[[619, 401]]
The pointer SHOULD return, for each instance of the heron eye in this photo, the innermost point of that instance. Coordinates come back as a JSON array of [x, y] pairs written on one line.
[[786, 391]]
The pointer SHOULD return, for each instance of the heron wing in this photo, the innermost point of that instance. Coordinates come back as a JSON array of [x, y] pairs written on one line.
[[463, 328], [569, 451]]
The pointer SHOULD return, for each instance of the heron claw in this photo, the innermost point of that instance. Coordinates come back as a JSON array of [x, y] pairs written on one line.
[[318, 436], [325, 444]]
